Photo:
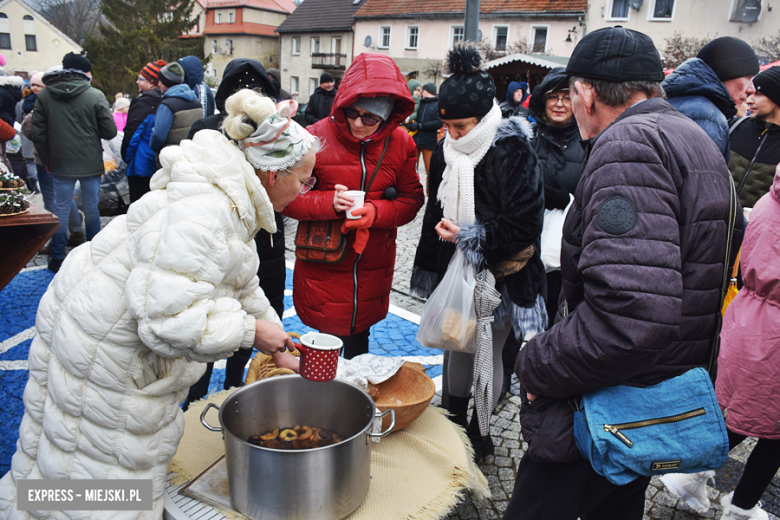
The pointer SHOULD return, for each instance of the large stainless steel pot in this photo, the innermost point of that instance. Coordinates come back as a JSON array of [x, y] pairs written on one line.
[[326, 483]]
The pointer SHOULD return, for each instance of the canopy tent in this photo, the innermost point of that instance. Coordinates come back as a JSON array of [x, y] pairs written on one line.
[[521, 67]]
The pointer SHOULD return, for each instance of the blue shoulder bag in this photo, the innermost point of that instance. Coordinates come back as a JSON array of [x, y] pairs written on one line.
[[672, 427]]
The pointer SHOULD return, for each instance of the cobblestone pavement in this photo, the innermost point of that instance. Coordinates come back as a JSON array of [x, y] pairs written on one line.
[[500, 469]]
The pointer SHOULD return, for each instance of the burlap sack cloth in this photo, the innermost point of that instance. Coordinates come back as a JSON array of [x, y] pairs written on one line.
[[419, 472]]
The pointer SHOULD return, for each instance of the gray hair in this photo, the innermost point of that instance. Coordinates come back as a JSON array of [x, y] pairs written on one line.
[[616, 94]]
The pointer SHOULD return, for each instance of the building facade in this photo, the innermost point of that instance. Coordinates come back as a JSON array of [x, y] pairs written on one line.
[[417, 35], [28, 41], [316, 38], [245, 29], [748, 20]]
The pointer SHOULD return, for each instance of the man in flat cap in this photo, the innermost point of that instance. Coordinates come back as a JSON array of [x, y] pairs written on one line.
[[642, 261]]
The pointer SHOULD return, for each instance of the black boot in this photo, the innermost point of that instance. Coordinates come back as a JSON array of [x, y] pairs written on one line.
[[506, 386], [483, 446], [458, 407]]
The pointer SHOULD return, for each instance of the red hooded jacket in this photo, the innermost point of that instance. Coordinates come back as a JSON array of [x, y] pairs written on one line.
[[347, 298]]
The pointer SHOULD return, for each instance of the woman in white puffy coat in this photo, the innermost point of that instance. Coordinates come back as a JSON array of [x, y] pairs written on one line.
[[127, 324]]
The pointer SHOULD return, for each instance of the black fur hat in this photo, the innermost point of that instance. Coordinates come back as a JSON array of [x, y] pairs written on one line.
[[469, 91]]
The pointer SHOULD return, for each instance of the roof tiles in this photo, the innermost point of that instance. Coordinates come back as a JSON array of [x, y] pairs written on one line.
[[320, 15], [390, 8]]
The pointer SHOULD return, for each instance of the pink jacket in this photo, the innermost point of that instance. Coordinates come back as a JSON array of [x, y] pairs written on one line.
[[121, 120], [748, 383]]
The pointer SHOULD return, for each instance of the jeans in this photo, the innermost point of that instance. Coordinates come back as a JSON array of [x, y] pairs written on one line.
[[46, 185], [63, 202]]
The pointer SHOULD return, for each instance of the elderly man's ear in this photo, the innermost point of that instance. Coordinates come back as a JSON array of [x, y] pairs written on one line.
[[587, 95]]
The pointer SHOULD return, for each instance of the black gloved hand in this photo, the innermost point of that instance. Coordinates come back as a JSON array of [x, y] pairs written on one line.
[[413, 126]]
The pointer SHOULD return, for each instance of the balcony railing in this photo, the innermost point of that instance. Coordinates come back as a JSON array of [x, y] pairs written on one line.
[[328, 61]]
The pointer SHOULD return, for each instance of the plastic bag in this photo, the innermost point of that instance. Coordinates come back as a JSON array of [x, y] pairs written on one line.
[[552, 234], [449, 320], [114, 195]]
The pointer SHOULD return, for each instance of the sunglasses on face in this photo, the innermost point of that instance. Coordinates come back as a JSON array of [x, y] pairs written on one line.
[[367, 119]]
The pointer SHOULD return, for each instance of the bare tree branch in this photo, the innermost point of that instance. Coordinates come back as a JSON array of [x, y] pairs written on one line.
[[680, 48], [768, 48], [76, 18]]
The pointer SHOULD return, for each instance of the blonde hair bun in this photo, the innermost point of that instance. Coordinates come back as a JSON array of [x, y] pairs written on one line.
[[243, 107]]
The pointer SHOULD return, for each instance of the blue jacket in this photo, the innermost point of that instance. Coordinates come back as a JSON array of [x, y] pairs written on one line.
[[164, 117], [695, 90], [194, 77], [140, 157]]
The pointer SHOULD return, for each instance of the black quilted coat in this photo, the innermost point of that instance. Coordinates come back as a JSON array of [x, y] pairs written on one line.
[[643, 293], [509, 210]]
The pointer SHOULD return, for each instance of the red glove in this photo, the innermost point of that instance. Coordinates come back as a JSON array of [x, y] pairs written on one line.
[[361, 225], [367, 216]]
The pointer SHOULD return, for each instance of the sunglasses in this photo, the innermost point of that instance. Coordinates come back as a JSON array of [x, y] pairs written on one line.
[[367, 119], [306, 185]]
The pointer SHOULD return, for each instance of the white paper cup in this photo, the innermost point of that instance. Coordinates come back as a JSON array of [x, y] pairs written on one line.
[[360, 197]]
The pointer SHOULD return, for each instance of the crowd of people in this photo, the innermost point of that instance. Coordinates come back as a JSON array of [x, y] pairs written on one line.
[[664, 189]]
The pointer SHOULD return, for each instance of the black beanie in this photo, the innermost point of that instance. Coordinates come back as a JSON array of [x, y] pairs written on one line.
[[469, 91], [768, 83], [729, 58], [76, 61], [325, 78], [430, 88]]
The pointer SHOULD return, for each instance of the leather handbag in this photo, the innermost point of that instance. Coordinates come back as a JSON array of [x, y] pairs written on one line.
[[673, 427], [322, 240]]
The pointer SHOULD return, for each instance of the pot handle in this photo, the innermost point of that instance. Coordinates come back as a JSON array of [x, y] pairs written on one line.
[[376, 436], [209, 427]]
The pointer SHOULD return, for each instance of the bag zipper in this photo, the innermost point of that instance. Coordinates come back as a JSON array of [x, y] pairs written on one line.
[[614, 429]]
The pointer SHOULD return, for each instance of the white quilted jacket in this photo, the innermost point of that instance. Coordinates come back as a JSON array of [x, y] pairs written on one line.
[[126, 325]]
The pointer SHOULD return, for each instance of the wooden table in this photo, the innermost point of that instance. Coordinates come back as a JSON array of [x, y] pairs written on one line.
[[22, 236]]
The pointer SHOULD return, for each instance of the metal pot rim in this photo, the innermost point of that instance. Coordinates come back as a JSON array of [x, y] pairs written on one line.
[[226, 431]]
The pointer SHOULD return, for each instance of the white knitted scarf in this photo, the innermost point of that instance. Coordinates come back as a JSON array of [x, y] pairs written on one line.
[[456, 191]]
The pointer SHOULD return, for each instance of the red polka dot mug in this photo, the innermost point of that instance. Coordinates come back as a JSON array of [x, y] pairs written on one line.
[[319, 356]]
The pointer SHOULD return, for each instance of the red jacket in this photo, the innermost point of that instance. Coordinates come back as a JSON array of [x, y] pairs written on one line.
[[326, 296]]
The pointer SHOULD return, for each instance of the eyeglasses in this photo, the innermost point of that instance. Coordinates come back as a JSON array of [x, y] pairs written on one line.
[[367, 119], [553, 99], [306, 185], [141, 78]]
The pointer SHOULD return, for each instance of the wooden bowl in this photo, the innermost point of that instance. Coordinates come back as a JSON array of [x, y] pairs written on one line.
[[408, 392]]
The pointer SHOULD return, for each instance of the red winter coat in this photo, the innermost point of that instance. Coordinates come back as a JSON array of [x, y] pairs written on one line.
[[325, 295]]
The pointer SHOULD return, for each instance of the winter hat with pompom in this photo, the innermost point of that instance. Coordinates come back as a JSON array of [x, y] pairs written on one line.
[[469, 91]]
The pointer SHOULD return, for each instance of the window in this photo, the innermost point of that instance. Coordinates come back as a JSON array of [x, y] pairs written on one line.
[[412, 34], [5, 40], [293, 84], [230, 17], [540, 39], [315, 44], [662, 11], [458, 33], [501, 32], [618, 10], [214, 46], [29, 41], [296, 46], [27, 17], [384, 37], [219, 17], [313, 84]]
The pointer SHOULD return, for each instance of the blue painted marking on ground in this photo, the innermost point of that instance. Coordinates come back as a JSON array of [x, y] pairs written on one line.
[[393, 336], [19, 301]]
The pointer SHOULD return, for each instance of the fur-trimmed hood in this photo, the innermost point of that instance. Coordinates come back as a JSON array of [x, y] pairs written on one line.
[[12, 81]]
